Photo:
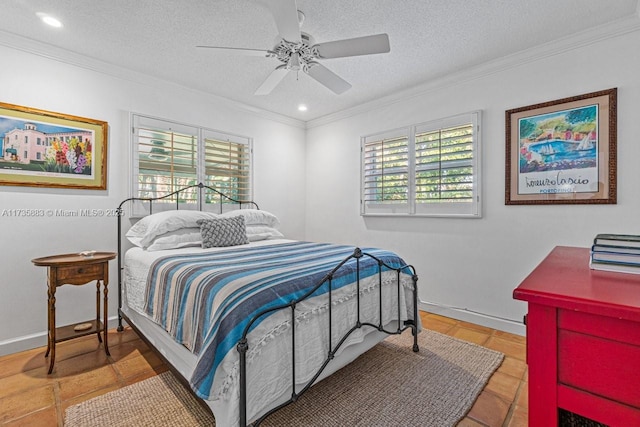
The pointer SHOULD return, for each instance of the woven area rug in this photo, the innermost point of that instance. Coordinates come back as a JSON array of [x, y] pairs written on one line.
[[387, 386]]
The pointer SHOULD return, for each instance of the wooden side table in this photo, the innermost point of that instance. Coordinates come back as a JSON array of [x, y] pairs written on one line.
[[76, 269]]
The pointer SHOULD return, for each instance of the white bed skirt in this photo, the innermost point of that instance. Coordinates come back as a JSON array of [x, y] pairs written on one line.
[[184, 362]]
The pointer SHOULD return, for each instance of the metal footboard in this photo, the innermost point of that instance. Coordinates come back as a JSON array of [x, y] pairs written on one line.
[[243, 345]]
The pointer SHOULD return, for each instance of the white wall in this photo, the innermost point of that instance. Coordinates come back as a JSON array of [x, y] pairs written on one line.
[[475, 264], [35, 81]]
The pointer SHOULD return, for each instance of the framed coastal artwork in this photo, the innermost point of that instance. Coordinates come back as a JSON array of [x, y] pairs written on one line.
[[45, 149], [563, 151]]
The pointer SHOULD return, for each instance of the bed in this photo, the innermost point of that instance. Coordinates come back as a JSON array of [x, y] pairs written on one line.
[[246, 317]]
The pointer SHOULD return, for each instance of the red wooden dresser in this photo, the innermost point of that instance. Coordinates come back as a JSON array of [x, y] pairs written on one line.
[[583, 340]]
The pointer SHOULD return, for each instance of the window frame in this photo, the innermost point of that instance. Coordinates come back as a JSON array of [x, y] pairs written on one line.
[[201, 135], [412, 208]]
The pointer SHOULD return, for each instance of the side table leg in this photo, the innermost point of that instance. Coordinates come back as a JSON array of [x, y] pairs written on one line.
[[106, 317], [98, 310], [51, 345], [48, 323]]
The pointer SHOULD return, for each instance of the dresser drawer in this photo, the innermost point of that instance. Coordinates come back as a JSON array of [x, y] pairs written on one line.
[[600, 366], [610, 328], [80, 274]]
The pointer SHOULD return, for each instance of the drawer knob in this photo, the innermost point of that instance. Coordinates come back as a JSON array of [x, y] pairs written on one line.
[[80, 270]]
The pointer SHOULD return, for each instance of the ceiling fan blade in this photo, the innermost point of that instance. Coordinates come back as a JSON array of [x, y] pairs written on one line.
[[285, 13], [272, 81], [239, 50], [328, 78], [366, 45]]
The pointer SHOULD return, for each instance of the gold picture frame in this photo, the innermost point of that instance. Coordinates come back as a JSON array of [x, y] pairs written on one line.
[[563, 151], [41, 148]]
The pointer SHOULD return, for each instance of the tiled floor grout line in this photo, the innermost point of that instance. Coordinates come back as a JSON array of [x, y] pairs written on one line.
[[512, 408]]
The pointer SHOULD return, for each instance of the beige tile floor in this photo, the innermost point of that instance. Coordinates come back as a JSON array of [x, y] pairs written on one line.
[[30, 397]]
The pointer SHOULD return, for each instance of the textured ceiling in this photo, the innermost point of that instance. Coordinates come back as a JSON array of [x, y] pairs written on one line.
[[429, 39]]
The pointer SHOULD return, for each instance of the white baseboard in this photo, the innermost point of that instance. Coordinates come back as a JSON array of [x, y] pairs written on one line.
[[39, 339], [477, 318]]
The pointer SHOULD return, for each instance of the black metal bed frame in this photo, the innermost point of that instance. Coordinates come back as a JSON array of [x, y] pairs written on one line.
[[243, 346]]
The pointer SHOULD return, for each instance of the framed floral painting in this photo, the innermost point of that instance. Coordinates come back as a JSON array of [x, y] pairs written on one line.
[[45, 149], [563, 151]]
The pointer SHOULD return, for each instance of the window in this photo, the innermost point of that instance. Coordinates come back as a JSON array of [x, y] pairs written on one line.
[[168, 156], [429, 169]]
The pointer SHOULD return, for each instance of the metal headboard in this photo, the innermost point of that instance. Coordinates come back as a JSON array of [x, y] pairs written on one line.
[[202, 189]]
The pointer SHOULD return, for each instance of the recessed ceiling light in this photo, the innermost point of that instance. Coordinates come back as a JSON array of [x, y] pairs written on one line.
[[49, 20], [302, 107]]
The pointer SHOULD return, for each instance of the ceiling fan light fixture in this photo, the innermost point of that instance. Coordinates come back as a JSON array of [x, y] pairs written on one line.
[[294, 61]]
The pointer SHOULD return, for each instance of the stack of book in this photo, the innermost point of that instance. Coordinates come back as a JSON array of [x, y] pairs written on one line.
[[616, 252]]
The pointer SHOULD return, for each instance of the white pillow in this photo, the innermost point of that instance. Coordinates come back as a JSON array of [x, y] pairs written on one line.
[[148, 228], [262, 232], [254, 217], [180, 238]]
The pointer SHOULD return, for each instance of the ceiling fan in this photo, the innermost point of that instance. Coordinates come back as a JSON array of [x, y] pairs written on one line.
[[298, 51]]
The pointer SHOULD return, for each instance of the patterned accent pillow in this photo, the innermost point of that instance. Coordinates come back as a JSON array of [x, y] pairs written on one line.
[[219, 232]]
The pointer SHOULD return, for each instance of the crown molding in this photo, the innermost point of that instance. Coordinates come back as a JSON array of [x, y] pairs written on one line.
[[64, 56], [577, 40]]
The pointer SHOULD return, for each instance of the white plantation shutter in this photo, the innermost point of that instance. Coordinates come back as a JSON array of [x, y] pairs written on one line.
[[227, 164], [386, 173], [427, 169], [168, 156], [446, 167]]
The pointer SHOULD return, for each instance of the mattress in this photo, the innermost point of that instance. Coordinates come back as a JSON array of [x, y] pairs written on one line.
[[268, 372]]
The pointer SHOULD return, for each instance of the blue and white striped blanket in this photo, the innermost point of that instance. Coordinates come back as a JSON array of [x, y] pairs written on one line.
[[205, 300]]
